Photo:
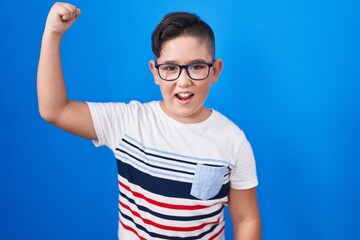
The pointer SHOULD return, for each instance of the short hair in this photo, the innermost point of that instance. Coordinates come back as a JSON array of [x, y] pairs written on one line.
[[176, 24]]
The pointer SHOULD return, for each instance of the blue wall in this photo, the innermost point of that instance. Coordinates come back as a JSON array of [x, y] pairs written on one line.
[[290, 81]]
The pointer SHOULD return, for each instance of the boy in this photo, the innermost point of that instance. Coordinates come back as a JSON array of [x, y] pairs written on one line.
[[179, 163]]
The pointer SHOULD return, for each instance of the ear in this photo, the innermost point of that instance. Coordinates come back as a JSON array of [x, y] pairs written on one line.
[[154, 71], [216, 70]]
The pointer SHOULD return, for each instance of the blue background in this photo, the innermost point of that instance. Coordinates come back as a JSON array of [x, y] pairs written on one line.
[[290, 81]]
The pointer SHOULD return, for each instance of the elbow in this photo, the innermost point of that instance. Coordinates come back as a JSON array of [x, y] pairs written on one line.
[[44, 115], [47, 115], [51, 113]]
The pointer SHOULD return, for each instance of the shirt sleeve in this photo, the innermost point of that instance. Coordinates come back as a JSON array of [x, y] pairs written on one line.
[[110, 121], [244, 174]]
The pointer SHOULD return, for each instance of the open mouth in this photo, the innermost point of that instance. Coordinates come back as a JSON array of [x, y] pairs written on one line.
[[184, 96]]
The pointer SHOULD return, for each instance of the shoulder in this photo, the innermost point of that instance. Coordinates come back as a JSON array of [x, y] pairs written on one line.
[[225, 125], [229, 134]]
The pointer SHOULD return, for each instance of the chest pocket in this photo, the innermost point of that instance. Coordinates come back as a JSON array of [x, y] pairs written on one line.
[[208, 181]]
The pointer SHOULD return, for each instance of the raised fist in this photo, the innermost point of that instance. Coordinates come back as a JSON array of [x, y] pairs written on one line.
[[61, 17]]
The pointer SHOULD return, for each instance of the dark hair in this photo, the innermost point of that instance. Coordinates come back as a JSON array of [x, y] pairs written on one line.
[[179, 23]]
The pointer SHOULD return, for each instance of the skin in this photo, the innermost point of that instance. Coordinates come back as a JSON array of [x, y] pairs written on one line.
[[54, 106], [74, 116], [185, 50], [244, 213]]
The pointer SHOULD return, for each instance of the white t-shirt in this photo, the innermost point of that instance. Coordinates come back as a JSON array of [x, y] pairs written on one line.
[[173, 177]]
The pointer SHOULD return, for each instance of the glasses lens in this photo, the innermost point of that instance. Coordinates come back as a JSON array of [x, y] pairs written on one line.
[[169, 71], [198, 71]]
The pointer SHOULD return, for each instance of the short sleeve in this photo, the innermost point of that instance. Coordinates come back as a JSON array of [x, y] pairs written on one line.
[[244, 174], [110, 121]]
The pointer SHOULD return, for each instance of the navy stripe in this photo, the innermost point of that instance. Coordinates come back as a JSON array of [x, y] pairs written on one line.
[[150, 165], [169, 217], [161, 186], [156, 235]]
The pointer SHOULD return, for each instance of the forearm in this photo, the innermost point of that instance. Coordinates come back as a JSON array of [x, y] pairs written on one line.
[[51, 88], [247, 230]]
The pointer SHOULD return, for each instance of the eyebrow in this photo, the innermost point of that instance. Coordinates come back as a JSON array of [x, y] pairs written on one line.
[[190, 62]]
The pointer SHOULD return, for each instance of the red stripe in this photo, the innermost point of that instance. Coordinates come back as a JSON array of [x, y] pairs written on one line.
[[217, 234], [131, 230], [162, 204], [164, 227]]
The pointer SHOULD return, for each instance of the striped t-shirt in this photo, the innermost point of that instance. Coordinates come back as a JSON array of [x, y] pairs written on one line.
[[173, 178]]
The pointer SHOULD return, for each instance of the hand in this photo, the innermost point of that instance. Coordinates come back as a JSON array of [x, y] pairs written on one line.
[[61, 17]]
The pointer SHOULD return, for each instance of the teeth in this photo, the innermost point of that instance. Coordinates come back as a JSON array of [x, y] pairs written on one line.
[[184, 95]]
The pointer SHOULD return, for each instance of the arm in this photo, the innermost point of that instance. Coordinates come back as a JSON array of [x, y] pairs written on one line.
[[54, 107], [245, 216]]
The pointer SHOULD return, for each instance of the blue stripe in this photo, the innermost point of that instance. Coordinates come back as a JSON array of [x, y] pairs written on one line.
[[129, 147], [151, 165], [158, 156]]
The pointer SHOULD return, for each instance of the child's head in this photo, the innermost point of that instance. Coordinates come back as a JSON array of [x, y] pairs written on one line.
[[177, 24], [185, 65]]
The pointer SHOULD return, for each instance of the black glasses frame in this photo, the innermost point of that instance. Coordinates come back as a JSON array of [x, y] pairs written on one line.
[[187, 69]]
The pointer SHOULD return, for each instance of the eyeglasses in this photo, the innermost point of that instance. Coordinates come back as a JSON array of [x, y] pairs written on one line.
[[172, 71]]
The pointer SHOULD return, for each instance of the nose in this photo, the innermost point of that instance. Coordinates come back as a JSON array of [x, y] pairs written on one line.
[[184, 80]]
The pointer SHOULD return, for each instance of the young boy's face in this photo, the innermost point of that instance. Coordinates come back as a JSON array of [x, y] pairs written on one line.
[[184, 98]]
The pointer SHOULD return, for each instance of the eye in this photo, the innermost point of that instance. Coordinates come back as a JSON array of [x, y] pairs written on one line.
[[169, 68], [198, 66]]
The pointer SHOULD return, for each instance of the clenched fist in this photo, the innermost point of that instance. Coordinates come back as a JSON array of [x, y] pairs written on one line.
[[61, 17]]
